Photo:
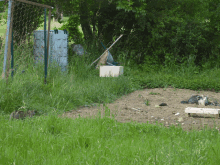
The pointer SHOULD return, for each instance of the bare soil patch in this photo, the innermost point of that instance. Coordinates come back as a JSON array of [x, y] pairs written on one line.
[[143, 106]]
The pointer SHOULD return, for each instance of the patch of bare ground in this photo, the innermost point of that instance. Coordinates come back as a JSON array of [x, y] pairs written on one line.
[[143, 106]]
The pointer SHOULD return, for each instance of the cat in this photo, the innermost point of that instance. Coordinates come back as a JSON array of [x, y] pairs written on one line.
[[203, 101], [22, 114]]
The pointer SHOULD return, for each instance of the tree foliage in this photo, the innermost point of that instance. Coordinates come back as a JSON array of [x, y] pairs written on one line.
[[162, 32], [155, 33]]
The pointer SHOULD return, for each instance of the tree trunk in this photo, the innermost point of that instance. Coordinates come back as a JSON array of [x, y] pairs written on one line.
[[84, 21], [59, 14]]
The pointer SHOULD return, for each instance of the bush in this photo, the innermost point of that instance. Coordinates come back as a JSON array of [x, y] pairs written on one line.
[[72, 26]]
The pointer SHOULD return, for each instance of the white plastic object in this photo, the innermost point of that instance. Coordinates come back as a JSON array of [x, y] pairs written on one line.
[[111, 71]]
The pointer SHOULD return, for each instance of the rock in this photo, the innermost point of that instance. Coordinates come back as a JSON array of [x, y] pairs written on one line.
[[180, 119], [163, 104], [136, 109], [78, 49]]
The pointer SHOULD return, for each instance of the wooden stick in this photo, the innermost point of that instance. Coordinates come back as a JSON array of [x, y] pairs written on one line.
[[107, 49]]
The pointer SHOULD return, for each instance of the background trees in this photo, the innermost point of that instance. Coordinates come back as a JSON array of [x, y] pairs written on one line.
[[156, 33]]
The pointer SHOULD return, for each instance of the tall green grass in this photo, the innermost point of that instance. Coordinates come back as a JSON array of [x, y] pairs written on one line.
[[53, 140], [63, 91], [82, 85]]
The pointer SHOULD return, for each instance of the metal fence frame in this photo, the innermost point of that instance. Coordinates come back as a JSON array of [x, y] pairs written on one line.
[[8, 53]]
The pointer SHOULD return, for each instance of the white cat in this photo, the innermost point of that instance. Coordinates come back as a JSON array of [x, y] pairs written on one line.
[[203, 101]]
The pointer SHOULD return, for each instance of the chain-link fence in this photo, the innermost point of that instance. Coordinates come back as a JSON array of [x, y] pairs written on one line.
[[23, 18], [3, 21]]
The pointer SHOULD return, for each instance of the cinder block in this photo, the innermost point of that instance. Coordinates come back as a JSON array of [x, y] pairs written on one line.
[[111, 71]]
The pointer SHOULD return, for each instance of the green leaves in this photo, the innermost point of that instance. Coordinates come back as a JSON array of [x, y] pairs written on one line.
[[170, 32], [72, 26], [137, 6]]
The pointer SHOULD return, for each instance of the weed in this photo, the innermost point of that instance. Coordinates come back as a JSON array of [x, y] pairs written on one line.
[[147, 102]]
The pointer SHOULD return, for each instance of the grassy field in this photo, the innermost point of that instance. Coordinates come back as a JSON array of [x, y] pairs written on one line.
[[52, 140], [49, 139]]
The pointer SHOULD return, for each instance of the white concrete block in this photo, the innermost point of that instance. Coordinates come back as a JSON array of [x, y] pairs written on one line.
[[111, 71], [212, 111]]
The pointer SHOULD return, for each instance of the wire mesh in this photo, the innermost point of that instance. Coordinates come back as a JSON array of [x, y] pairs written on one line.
[[26, 19], [3, 22]]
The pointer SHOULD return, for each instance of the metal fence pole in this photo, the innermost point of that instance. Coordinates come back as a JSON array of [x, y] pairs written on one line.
[[7, 38], [45, 45], [12, 56]]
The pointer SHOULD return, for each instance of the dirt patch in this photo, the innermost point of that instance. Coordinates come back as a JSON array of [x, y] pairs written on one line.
[[143, 106]]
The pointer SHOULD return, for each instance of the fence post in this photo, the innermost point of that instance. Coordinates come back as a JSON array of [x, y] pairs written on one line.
[[45, 46], [12, 56], [48, 35], [8, 52], [8, 37]]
